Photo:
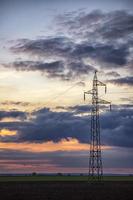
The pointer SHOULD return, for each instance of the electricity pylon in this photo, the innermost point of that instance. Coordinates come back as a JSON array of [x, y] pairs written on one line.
[[95, 159]]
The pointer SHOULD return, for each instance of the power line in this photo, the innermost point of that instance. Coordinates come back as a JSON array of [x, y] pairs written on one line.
[[62, 93]]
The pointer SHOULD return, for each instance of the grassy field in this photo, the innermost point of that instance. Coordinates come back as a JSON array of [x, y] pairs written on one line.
[[60, 178]]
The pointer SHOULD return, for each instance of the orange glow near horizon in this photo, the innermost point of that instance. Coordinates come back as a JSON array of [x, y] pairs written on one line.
[[63, 145]]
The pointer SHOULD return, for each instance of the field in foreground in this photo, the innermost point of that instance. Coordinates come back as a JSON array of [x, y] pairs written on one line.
[[68, 190]]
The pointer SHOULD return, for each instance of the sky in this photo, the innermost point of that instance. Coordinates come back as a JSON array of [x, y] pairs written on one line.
[[49, 51]]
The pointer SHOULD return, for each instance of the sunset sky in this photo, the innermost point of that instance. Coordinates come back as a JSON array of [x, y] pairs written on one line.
[[49, 50]]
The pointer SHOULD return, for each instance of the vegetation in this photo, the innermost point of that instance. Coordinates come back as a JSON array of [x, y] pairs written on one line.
[[60, 178]]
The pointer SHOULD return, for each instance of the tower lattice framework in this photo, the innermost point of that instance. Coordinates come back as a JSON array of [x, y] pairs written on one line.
[[95, 158]]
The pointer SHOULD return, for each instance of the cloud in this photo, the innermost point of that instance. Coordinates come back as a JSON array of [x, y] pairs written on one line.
[[80, 109], [71, 55], [103, 53], [97, 24], [113, 73], [36, 65], [46, 125], [119, 23], [55, 69], [108, 35], [56, 46], [128, 80], [70, 52], [50, 69], [14, 103], [70, 65], [117, 127], [102, 38], [62, 161], [13, 114]]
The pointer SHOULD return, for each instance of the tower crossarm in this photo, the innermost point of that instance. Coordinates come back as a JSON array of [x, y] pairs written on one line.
[[88, 92], [99, 83], [102, 101]]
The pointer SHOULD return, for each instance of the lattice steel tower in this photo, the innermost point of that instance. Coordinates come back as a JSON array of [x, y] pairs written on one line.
[[95, 159]]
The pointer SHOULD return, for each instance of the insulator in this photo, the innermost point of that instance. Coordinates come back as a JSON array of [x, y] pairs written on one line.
[[110, 107], [105, 89], [84, 96]]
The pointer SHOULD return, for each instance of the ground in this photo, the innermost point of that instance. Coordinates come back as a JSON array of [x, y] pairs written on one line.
[[65, 190]]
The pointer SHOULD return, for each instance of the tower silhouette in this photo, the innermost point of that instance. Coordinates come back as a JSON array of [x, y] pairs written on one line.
[[95, 158]]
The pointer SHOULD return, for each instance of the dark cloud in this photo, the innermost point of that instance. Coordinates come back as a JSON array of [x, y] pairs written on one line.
[[56, 66], [73, 53], [13, 114], [128, 80], [106, 36], [69, 67], [103, 37], [117, 127], [103, 53], [78, 69], [55, 69], [80, 109], [51, 46], [98, 25], [119, 23], [47, 125], [50, 69]]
